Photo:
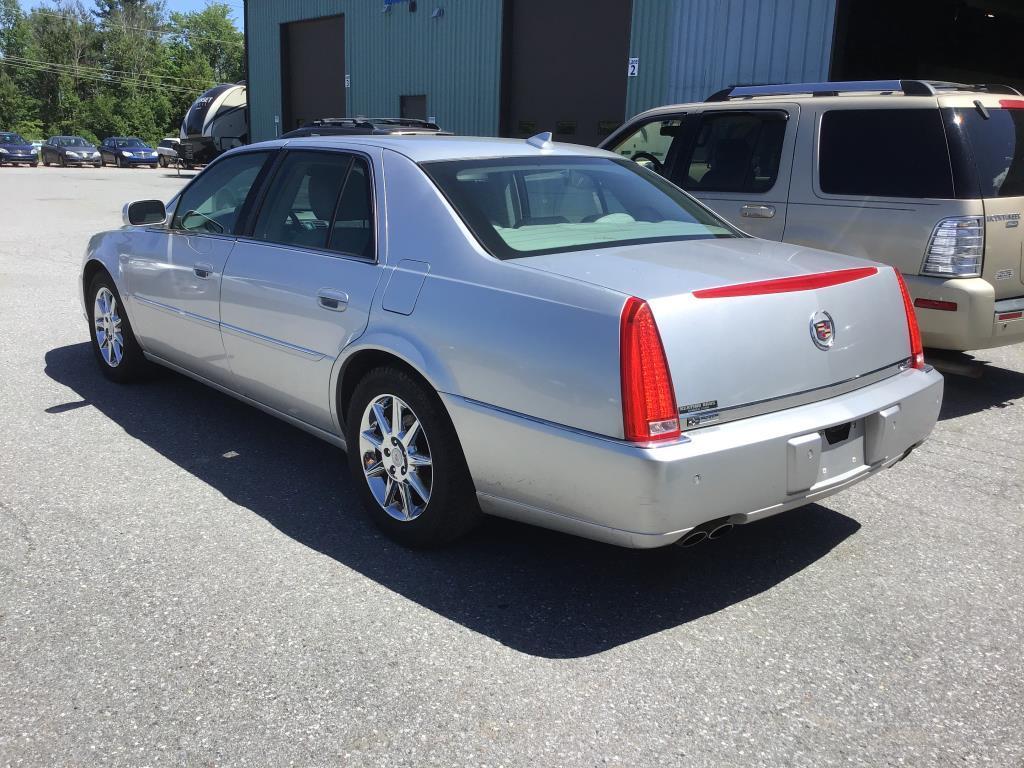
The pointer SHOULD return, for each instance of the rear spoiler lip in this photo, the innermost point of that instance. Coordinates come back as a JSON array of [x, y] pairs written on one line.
[[787, 284]]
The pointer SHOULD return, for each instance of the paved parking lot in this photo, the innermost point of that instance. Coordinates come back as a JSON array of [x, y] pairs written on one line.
[[186, 581]]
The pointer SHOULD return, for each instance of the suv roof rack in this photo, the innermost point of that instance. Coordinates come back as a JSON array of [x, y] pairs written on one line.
[[369, 122], [835, 88]]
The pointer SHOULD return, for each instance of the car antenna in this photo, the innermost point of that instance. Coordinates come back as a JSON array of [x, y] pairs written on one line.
[[541, 140]]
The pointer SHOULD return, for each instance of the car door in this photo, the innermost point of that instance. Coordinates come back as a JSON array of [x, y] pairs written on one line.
[[175, 271], [46, 151], [299, 287], [739, 164], [106, 155]]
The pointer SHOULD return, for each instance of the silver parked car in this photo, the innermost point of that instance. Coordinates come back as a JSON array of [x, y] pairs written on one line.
[[544, 332]]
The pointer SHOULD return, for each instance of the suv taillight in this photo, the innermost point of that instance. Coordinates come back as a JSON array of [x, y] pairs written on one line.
[[916, 348], [648, 400], [955, 248]]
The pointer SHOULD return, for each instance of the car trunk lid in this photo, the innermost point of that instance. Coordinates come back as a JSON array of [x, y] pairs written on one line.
[[747, 321]]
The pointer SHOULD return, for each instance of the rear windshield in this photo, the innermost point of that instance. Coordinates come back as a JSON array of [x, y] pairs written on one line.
[[11, 138], [530, 206], [996, 145]]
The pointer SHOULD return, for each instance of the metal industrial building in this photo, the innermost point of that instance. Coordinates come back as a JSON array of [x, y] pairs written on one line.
[[580, 67]]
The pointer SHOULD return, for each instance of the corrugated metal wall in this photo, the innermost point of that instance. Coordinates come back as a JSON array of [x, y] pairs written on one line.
[[687, 50], [455, 60], [690, 48]]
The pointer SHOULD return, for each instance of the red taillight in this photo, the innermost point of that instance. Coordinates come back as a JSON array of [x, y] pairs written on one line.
[[1011, 103], [648, 400], [916, 349]]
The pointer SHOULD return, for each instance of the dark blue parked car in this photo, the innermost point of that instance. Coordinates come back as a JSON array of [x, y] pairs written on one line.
[[14, 149], [123, 151]]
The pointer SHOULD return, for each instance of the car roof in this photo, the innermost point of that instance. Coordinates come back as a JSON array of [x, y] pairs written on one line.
[[422, 148]]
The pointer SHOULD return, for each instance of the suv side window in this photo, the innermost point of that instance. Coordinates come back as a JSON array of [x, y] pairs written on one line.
[[652, 143], [884, 153], [319, 200], [211, 203], [736, 152]]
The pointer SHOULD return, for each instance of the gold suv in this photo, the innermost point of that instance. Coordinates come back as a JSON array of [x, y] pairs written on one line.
[[926, 176]]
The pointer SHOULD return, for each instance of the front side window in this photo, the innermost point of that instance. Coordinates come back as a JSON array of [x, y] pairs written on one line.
[[212, 203], [319, 200], [530, 206], [884, 153], [651, 144], [735, 152]]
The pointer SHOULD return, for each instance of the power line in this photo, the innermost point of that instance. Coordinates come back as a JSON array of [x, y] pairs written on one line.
[[98, 75], [181, 81], [163, 33]]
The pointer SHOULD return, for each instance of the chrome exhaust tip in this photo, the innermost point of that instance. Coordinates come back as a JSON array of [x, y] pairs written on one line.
[[720, 530], [694, 537]]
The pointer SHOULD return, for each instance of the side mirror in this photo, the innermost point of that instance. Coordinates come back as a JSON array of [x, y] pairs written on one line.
[[144, 212]]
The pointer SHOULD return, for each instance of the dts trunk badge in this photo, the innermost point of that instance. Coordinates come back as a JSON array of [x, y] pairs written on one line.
[[823, 331]]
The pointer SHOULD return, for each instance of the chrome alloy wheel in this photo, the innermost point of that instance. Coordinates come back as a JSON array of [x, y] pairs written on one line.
[[107, 324], [395, 455]]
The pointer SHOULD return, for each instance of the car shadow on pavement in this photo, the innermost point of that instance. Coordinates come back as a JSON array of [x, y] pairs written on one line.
[[995, 388], [536, 591]]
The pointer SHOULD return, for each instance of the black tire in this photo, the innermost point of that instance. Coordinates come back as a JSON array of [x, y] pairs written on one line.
[[97, 165], [451, 510], [34, 165], [46, 163], [63, 161], [162, 162], [120, 162], [133, 365]]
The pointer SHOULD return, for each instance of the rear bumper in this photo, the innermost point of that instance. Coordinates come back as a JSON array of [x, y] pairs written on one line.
[[974, 325], [633, 496]]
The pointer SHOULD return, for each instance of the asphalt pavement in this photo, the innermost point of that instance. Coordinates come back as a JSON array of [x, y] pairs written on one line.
[[187, 581]]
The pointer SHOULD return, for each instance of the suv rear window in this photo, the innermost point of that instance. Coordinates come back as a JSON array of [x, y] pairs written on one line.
[[997, 146], [884, 153]]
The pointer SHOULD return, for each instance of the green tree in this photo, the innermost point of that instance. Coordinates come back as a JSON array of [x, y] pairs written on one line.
[[211, 35]]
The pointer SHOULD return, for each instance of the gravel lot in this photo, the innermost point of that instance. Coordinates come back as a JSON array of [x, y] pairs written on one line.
[[186, 581]]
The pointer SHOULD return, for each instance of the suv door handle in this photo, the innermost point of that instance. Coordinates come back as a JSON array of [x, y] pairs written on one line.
[[751, 211], [336, 301], [203, 270]]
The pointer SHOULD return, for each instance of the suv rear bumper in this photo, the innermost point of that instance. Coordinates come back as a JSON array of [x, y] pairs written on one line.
[[974, 325], [745, 470]]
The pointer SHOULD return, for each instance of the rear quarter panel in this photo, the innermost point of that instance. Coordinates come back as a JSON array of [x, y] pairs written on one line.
[[495, 332]]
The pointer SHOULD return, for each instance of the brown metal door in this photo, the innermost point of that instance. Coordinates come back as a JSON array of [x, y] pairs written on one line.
[[312, 71], [565, 68]]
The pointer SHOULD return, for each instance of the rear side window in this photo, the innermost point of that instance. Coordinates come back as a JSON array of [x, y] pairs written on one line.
[[736, 152], [884, 153], [319, 200], [997, 146]]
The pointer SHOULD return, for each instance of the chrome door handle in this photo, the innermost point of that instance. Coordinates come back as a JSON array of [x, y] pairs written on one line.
[[758, 211], [336, 301], [203, 270]]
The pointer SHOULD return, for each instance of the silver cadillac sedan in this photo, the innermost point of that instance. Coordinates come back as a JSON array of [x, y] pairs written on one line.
[[538, 331]]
